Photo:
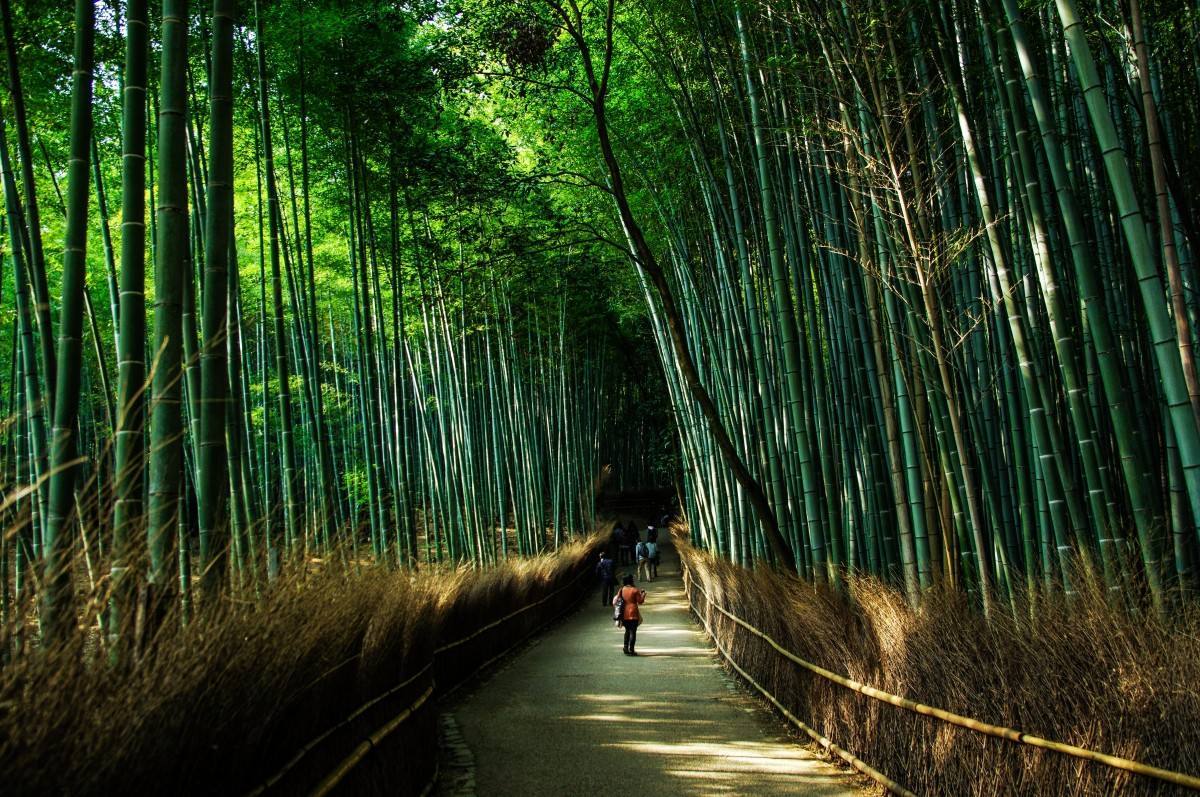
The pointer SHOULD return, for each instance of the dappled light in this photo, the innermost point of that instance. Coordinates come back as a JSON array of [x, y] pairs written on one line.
[[553, 397]]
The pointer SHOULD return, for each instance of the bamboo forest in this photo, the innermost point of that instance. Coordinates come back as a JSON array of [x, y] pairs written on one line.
[[351, 351]]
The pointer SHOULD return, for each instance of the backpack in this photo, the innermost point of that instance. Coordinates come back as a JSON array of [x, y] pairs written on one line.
[[619, 608]]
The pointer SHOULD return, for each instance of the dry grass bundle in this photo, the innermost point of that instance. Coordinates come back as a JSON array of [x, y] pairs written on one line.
[[1084, 673], [472, 612], [222, 705]]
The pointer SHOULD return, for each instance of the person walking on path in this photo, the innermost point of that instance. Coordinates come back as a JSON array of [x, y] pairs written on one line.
[[642, 552], [605, 571], [628, 539], [651, 534], [618, 538], [631, 617]]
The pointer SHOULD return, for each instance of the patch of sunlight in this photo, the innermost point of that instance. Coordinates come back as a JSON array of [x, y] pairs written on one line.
[[610, 698], [650, 629], [698, 774], [792, 778], [625, 718], [733, 757]]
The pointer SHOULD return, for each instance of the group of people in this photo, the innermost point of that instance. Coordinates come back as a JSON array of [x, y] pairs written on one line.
[[644, 554], [633, 550]]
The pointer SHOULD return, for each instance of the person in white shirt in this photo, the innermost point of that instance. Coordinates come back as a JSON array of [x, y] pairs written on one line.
[[652, 557]]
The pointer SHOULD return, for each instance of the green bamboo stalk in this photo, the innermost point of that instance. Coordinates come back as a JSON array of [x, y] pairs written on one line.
[[1165, 343], [110, 267], [292, 511], [171, 252], [37, 259], [32, 407], [213, 484], [57, 607]]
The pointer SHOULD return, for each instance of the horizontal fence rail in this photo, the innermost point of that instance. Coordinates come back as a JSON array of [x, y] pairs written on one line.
[[338, 774], [817, 736], [316, 741], [587, 570], [998, 731], [850, 758], [512, 615], [334, 778]]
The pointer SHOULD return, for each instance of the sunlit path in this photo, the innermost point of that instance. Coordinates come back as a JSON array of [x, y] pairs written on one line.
[[571, 715]]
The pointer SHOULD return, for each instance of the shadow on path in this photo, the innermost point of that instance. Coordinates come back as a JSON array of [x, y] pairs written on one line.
[[572, 715]]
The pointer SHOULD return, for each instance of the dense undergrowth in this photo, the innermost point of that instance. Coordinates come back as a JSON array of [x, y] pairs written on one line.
[[1086, 674], [221, 706]]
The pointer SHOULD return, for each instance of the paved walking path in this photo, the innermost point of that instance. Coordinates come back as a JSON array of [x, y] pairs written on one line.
[[571, 715]]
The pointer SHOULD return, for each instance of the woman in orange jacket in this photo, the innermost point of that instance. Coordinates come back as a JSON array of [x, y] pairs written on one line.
[[632, 616]]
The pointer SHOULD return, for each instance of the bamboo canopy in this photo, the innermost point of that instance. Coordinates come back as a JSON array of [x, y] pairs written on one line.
[[905, 290]]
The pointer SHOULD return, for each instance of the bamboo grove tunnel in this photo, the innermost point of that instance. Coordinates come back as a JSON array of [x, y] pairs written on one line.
[[338, 340]]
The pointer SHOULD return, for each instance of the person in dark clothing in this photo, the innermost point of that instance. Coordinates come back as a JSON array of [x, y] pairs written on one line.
[[605, 573], [618, 538], [651, 534], [628, 540], [632, 616]]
